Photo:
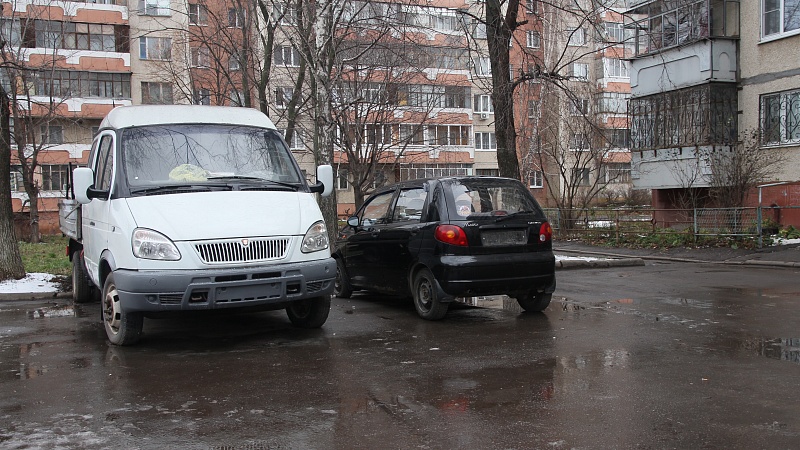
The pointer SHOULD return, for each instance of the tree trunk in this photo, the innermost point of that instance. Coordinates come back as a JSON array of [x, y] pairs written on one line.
[[10, 259]]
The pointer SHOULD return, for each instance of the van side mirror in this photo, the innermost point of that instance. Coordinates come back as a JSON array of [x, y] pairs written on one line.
[[324, 183], [83, 185]]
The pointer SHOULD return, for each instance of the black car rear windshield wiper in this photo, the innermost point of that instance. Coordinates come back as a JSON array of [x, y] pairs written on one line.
[[259, 180], [514, 214]]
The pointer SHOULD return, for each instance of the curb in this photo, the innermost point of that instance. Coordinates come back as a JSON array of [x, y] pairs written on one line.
[[603, 263], [27, 296], [748, 262]]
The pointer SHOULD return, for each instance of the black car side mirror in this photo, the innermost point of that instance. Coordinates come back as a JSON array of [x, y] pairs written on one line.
[[353, 222]]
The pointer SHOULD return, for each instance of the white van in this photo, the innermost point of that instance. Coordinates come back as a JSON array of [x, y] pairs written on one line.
[[195, 208]]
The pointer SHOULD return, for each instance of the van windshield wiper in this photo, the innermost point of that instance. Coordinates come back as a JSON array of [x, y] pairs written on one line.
[[259, 180], [178, 188]]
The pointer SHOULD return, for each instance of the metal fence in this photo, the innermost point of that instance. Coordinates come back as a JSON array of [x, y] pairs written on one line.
[[623, 222]]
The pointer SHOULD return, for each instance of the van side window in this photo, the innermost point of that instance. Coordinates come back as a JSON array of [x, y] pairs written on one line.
[[105, 164], [377, 210], [409, 205]]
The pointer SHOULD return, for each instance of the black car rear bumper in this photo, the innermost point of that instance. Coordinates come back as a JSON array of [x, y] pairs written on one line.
[[506, 273]]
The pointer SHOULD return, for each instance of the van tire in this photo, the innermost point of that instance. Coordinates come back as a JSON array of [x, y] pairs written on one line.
[[341, 286], [122, 328], [427, 300], [535, 302], [82, 289], [310, 312]]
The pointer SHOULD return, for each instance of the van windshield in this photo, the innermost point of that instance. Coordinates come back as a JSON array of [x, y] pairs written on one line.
[[202, 153]]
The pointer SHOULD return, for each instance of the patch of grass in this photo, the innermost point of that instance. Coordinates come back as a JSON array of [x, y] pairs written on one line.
[[48, 256]]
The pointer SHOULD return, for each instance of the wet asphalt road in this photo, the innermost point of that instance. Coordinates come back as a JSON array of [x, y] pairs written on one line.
[[669, 355]]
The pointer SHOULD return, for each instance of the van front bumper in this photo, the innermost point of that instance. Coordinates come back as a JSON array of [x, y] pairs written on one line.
[[180, 290]]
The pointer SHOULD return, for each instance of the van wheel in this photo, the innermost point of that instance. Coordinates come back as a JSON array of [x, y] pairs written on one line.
[[341, 286], [122, 328], [82, 289], [309, 313], [534, 302], [426, 298]]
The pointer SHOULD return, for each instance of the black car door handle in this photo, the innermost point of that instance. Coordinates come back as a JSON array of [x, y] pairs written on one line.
[[375, 233]]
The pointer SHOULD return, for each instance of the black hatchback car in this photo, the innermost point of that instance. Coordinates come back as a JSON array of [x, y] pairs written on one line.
[[439, 239]]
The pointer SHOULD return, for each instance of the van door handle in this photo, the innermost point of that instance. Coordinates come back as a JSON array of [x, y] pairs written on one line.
[[91, 223]]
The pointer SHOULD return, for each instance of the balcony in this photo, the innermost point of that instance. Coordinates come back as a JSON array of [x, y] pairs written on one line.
[[664, 24]]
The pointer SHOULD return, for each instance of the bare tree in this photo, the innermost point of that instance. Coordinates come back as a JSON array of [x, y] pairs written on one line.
[[10, 260]]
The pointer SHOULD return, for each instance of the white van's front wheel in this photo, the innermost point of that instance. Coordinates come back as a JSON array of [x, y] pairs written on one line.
[[121, 328], [309, 313]]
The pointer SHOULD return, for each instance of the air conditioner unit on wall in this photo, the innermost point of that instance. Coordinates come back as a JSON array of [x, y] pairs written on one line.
[[484, 116]]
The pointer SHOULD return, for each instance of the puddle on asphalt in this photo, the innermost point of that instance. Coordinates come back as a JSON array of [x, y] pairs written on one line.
[[492, 302], [52, 311], [783, 349]]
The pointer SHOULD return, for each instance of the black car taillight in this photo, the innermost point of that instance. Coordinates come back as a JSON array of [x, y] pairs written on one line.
[[451, 234], [545, 232]]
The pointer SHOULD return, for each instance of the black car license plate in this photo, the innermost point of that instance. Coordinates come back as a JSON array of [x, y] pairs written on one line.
[[497, 238]]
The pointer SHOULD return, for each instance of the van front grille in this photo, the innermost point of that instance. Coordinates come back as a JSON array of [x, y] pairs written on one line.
[[242, 250]]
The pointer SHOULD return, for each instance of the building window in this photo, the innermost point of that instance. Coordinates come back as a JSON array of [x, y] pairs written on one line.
[[483, 103], [201, 57], [578, 106], [449, 135], [11, 30], [618, 137], [201, 97], [416, 171], [485, 141], [615, 68], [535, 179], [233, 61], [780, 118], [580, 71], [412, 135], [157, 48], [283, 95], [617, 173], [531, 6], [54, 177], [154, 7], [612, 103], [533, 39], [236, 18], [286, 56], [198, 14], [578, 141], [296, 141], [286, 14], [576, 36], [52, 134], [779, 17], [78, 36], [341, 180], [615, 32], [533, 109], [236, 97], [156, 93], [487, 172], [483, 67], [580, 177], [17, 184]]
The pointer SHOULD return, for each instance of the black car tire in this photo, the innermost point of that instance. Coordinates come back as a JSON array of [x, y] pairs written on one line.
[[82, 289], [122, 328], [341, 286], [534, 302], [426, 296], [309, 313]]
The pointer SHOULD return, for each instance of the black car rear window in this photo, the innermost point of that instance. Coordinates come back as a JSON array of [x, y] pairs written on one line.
[[490, 197]]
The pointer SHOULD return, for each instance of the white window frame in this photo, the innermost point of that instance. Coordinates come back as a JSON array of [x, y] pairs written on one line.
[[154, 8], [533, 109], [533, 39], [485, 140], [615, 68], [201, 96], [483, 104], [578, 106], [162, 88], [780, 13], [482, 66], [51, 134], [287, 56], [535, 179], [155, 48], [201, 57], [576, 37], [580, 71], [198, 14]]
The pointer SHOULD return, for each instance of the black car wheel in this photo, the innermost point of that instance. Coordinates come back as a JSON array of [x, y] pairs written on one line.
[[534, 302], [122, 328], [426, 297], [82, 289], [309, 313], [341, 286]]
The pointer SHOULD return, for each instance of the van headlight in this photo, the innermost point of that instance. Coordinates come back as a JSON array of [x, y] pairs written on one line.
[[316, 238], [149, 244]]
